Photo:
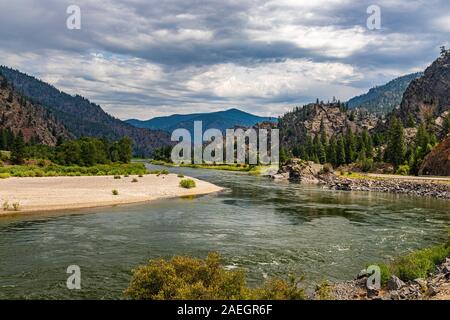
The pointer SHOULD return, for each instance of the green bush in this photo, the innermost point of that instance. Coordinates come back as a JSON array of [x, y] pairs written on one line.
[[181, 175], [403, 170], [185, 278], [417, 264], [134, 180], [187, 183], [115, 192], [117, 177], [4, 175]]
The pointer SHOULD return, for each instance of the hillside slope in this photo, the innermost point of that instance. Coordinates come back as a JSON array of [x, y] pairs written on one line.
[[427, 98], [383, 99], [19, 114], [81, 117], [221, 120]]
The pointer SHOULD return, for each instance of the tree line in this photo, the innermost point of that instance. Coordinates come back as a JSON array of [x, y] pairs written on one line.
[[82, 152], [365, 149]]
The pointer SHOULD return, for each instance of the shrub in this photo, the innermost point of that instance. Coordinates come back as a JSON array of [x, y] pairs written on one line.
[[185, 278], [4, 175], [181, 175], [140, 176], [117, 177], [417, 264], [323, 291], [134, 180], [403, 170], [187, 183], [16, 206], [115, 192], [366, 165], [6, 206]]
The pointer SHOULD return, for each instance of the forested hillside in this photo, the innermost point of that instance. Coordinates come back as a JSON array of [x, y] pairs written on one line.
[[19, 114], [82, 117], [383, 99]]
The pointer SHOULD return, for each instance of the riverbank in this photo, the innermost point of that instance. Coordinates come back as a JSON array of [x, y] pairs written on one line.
[[38, 194], [421, 275], [308, 172], [423, 186]]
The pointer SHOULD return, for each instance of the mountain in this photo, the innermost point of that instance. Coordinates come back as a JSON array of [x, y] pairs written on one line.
[[221, 120], [82, 117], [427, 99], [385, 98], [19, 114]]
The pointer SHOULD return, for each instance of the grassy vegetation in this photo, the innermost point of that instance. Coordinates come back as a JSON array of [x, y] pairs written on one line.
[[185, 278], [417, 264], [115, 192], [358, 176], [159, 172], [187, 183], [251, 169], [58, 170]]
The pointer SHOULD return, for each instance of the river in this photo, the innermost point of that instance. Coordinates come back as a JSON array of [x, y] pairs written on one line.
[[269, 228]]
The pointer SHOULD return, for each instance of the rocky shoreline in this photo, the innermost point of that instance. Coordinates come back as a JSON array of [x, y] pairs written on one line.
[[435, 287], [308, 172], [414, 188]]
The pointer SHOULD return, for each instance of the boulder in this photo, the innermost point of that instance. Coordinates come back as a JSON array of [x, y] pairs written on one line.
[[395, 283]]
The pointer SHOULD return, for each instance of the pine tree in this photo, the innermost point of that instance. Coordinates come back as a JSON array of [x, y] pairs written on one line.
[[340, 151], [323, 134], [395, 150], [350, 146], [411, 123], [3, 82], [331, 151], [18, 149], [446, 124]]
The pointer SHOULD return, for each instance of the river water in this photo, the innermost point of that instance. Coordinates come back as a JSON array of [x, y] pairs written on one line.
[[269, 228]]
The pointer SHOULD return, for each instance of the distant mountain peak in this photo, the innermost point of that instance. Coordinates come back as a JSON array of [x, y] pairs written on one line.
[[226, 119]]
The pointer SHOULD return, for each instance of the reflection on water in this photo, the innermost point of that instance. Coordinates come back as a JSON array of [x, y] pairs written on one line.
[[269, 228]]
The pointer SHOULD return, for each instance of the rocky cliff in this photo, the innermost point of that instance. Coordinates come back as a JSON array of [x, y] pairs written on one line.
[[296, 125], [428, 97]]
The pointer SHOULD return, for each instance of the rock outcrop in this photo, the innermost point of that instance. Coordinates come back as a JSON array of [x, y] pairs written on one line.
[[428, 97], [437, 162], [300, 171], [305, 121]]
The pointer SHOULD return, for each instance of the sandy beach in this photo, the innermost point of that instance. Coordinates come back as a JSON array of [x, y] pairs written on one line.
[[62, 193]]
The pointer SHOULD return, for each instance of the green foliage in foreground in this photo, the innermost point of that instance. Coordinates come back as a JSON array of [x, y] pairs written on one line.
[[187, 183], [417, 264], [58, 170], [185, 278]]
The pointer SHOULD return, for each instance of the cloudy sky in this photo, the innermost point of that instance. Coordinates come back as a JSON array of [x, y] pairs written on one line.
[[146, 58]]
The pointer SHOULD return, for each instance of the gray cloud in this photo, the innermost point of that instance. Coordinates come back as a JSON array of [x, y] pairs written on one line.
[[141, 58]]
